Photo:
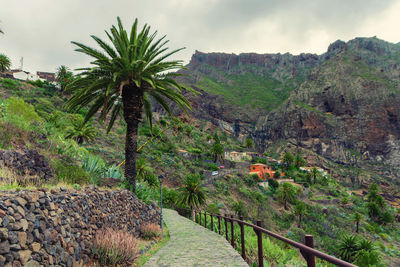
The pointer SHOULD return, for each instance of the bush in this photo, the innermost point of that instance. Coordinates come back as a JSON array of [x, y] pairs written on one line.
[[44, 107], [111, 247], [212, 208], [250, 180], [273, 184], [70, 173], [151, 231], [18, 107], [212, 167], [9, 83]]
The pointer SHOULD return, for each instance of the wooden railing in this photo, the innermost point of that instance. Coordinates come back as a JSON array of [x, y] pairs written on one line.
[[307, 249]]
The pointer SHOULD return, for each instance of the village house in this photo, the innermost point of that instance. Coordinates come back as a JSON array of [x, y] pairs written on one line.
[[240, 156], [263, 171]]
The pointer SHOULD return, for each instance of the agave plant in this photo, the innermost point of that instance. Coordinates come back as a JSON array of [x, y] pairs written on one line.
[[94, 166], [113, 172]]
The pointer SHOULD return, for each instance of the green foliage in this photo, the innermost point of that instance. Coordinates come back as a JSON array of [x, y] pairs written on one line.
[[251, 180], [18, 107], [44, 107], [64, 76], [94, 166], [299, 161], [192, 193], [273, 185], [10, 84], [212, 167], [80, 131], [249, 143], [5, 63], [288, 159], [212, 208], [70, 173], [286, 194], [113, 171], [357, 250], [239, 208]]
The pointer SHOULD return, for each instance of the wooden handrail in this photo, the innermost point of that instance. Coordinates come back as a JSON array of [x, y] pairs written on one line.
[[307, 249]]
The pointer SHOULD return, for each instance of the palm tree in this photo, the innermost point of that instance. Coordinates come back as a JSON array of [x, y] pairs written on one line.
[[191, 193], [357, 218], [314, 172], [5, 63], [249, 143], [124, 77], [286, 193], [217, 149], [300, 210], [64, 76], [348, 247], [80, 131], [288, 159]]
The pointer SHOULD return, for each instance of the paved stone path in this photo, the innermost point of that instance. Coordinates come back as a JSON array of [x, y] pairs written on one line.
[[193, 245]]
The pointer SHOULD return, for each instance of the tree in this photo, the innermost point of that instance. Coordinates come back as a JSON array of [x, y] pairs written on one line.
[[273, 184], [145, 172], [123, 78], [249, 143], [80, 131], [357, 219], [348, 247], [288, 159], [286, 193], [5, 63], [314, 172], [64, 76], [299, 161], [191, 193], [217, 149], [299, 211]]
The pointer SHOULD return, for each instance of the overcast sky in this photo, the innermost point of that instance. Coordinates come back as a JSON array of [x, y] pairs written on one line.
[[40, 31]]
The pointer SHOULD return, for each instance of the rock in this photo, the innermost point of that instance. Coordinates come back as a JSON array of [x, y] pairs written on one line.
[[24, 256], [35, 247], [22, 239], [3, 233], [22, 202], [2, 260], [12, 237], [24, 224], [32, 263], [21, 210], [4, 247]]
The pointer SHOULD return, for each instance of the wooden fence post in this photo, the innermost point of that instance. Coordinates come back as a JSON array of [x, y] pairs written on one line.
[[260, 246], [242, 237], [226, 227], [232, 233], [310, 258]]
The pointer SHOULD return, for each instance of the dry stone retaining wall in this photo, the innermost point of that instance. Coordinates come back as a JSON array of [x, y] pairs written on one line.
[[43, 227]]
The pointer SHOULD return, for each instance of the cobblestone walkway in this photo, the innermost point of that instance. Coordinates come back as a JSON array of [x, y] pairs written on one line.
[[193, 245]]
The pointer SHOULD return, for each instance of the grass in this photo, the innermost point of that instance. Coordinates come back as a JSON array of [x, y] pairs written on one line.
[[142, 259]]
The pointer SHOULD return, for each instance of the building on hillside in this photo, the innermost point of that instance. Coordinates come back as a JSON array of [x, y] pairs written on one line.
[[240, 156], [323, 172], [263, 171], [49, 76]]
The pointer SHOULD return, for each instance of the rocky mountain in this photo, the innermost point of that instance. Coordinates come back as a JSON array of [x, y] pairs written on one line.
[[343, 104]]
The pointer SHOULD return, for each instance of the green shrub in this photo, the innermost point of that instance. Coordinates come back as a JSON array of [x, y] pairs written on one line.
[[273, 184], [212, 208], [70, 173], [10, 84], [94, 166], [44, 107], [18, 107], [212, 167]]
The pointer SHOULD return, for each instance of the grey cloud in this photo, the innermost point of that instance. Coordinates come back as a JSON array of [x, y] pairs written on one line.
[[41, 30]]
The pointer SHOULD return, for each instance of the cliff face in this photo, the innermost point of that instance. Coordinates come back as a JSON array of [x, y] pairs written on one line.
[[349, 104], [340, 104]]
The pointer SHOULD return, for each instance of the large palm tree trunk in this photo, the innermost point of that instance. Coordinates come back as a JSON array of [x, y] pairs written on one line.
[[132, 98]]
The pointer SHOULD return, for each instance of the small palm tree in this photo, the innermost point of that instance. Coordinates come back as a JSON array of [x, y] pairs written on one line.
[[191, 193], [5, 63], [64, 76], [217, 149], [288, 159], [80, 131], [357, 219], [314, 172], [249, 143], [123, 78], [300, 211], [348, 247], [286, 193]]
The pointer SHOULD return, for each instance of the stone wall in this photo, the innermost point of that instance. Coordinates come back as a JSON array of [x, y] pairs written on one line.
[[42, 227]]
